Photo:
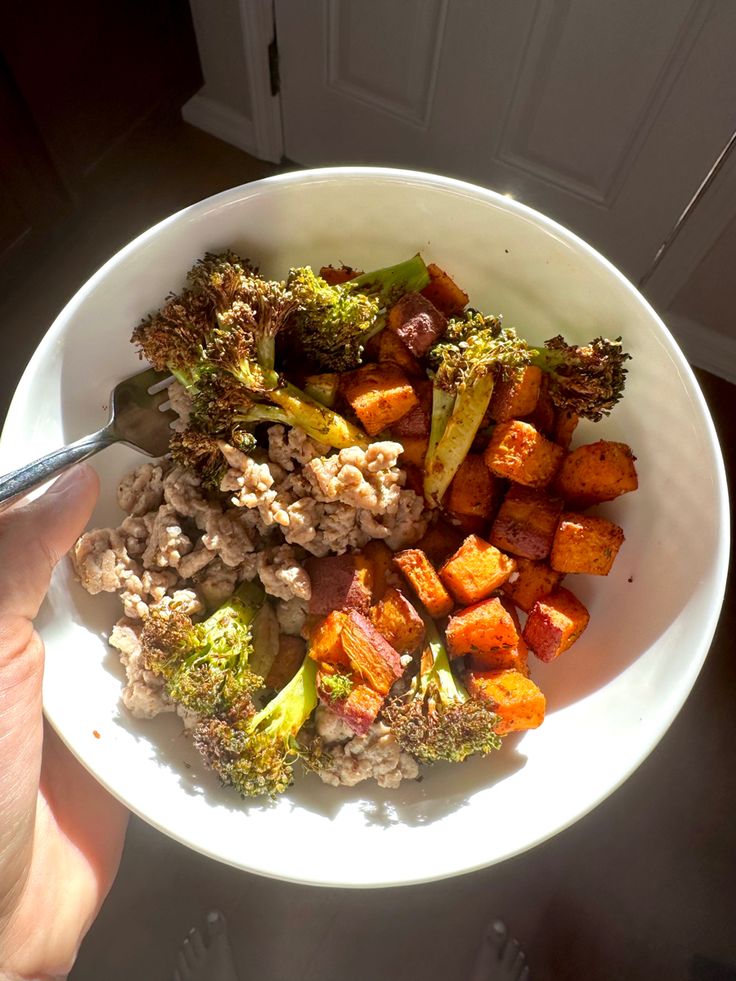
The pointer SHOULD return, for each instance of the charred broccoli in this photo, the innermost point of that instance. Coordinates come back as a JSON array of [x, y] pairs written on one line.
[[437, 719], [587, 380], [206, 666], [332, 324], [257, 755], [218, 338]]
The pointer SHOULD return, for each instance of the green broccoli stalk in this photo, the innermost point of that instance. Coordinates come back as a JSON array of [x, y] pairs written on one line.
[[257, 755], [465, 362], [206, 666], [332, 324], [587, 380], [437, 719]]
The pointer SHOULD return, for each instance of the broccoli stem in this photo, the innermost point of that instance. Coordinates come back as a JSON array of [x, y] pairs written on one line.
[[391, 282], [287, 712], [440, 670], [317, 421], [456, 439]]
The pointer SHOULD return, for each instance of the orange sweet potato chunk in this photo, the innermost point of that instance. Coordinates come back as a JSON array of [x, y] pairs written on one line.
[[554, 623], [392, 348], [440, 540], [526, 522], [595, 473], [585, 544], [417, 322], [397, 620], [422, 577], [371, 656], [358, 710], [444, 292], [334, 275], [325, 640], [380, 558], [379, 395], [519, 453], [516, 393], [472, 491], [516, 699], [530, 582], [415, 450], [475, 570], [481, 628], [516, 657]]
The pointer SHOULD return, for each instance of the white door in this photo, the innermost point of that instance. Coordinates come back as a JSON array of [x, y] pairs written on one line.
[[604, 114]]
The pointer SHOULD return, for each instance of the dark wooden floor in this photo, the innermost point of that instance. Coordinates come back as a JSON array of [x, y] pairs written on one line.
[[642, 888]]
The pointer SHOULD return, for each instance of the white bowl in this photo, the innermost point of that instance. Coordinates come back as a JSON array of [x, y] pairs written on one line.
[[610, 699]]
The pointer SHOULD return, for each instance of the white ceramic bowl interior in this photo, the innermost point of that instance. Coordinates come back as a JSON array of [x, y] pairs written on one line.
[[610, 699]]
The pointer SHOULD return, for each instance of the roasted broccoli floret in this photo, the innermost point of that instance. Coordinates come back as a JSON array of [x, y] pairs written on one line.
[[586, 380], [218, 338], [336, 686], [257, 755], [437, 719], [332, 324], [206, 666], [466, 362], [200, 451]]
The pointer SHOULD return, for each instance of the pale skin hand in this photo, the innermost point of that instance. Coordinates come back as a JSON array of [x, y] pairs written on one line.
[[61, 834]]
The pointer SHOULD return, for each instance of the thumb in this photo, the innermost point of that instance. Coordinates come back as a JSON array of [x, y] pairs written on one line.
[[33, 537]]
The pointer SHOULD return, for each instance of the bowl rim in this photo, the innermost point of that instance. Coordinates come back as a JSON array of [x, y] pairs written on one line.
[[401, 175]]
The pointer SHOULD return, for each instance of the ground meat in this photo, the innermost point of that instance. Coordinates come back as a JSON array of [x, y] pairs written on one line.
[[289, 446], [101, 561], [376, 755], [142, 490], [282, 575], [194, 561], [183, 491], [181, 403], [145, 589], [291, 614], [167, 542], [216, 583], [226, 535], [143, 694], [135, 531]]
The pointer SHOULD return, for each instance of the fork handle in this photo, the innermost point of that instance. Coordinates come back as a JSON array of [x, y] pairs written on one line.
[[17, 483]]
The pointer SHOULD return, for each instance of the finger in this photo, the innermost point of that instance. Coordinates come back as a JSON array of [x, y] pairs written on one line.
[[34, 536]]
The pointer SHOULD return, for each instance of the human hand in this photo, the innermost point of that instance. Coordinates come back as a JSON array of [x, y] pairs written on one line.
[[61, 834]]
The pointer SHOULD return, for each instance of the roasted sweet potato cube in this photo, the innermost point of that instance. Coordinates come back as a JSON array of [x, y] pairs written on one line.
[[422, 577], [392, 348], [358, 710], [530, 582], [473, 489], [544, 413], [325, 640], [481, 628], [338, 583], [595, 473], [526, 522], [397, 620], [415, 450], [379, 395], [554, 624], [475, 570], [414, 479], [521, 454], [334, 275], [516, 657], [414, 424], [444, 292], [440, 540], [583, 543], [516, 699], [381, 559], [417, 322], [288, 661], [371, 656], [516, 393]]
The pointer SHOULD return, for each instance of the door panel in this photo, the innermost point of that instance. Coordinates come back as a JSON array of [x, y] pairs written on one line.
[[604, 116]]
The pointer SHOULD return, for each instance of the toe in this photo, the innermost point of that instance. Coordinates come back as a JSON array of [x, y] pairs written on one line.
[[497, 934], [519, 967], [509, 955], [196, 944], [216, 924], [182, 967]]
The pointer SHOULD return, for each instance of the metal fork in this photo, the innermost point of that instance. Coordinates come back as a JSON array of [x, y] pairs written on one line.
[[137, 417]]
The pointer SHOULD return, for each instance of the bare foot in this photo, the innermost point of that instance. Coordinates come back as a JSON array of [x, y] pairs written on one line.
[[500, 958], [206, 958]]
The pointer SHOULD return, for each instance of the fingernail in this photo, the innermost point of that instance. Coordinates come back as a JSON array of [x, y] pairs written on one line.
[[215, 922]]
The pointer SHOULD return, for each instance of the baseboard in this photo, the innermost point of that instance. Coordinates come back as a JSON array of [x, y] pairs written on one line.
[[221, 121], [703, 347]]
